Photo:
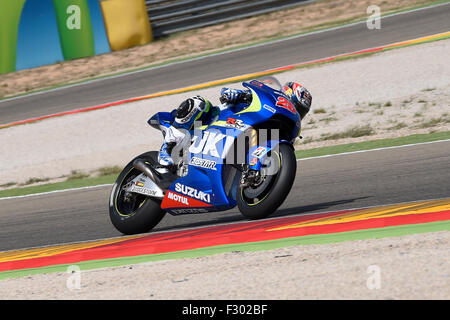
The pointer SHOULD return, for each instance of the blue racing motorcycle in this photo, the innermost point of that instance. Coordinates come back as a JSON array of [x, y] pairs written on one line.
[[244, 156]]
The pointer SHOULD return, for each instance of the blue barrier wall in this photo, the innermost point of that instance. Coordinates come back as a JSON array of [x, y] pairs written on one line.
[[38, 38]]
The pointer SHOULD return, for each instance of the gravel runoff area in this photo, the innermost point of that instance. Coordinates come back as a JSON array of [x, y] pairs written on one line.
[[390, 94], [409, 267]]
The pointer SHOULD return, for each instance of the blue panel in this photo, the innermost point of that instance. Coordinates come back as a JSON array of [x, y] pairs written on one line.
[[98, 28], [38, 39]]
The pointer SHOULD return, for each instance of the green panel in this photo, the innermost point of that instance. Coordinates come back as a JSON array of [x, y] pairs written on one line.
[[10, 11], [75, 29]]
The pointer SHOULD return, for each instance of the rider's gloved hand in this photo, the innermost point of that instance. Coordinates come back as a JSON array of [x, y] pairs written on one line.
[[232, 96]]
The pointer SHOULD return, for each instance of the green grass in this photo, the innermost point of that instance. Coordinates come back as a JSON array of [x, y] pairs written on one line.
[[434, 122], [35, 180], [106, 171], [355, 132], [76, 175], [8, 184], [398, 126], [374, 144], [69, 184], [320, 110], [111, 173]]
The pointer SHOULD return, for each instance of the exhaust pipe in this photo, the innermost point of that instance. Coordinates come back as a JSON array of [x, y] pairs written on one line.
[[140, 165]]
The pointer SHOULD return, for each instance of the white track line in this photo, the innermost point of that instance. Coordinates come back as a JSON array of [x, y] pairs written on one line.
[[55, 191], [376, 149], [318, 157], [220, 53]]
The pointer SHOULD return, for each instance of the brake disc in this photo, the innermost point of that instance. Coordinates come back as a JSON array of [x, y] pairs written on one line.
[[253, 191]]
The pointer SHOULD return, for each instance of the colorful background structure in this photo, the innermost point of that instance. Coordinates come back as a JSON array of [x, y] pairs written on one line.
[[41, 32]]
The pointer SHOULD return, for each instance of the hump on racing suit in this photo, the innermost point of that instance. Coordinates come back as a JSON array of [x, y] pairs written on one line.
[[192, 111]]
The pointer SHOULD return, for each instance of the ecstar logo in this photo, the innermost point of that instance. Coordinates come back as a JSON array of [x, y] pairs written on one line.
[[192, 192], [203, 163]]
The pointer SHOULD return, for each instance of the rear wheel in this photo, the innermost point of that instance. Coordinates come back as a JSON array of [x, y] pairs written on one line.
[[133, 213], [259, 200]]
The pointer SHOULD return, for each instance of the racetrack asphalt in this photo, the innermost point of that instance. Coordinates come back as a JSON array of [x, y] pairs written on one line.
[[409, 173], [319, 45]]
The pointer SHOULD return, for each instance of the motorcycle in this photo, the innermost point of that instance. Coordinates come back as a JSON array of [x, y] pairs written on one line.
[[243, 157]]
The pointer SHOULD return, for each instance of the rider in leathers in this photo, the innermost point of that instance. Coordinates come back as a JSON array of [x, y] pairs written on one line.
[[198, 108]]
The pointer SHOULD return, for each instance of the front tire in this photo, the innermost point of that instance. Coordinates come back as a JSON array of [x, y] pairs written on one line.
[[276, 189], [136, 213]]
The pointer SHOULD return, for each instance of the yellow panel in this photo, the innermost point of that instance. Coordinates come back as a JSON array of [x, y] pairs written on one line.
[[23, 254], [377, 212], [127, 23]]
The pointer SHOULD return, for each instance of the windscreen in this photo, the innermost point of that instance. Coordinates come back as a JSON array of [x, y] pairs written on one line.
[[271, 82]]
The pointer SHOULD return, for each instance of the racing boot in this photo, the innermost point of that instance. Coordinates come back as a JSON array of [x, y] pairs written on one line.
[[165, 154]]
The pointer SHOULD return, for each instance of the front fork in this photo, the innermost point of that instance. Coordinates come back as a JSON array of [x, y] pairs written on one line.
[[251, 174], [250, 177], [260, 160]]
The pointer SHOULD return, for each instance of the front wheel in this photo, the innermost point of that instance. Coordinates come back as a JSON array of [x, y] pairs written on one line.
[[133, 213], [261, 200]]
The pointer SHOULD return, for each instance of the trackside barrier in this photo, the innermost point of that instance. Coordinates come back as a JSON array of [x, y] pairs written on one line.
[[127, 23], [41, 32], [170, 16]]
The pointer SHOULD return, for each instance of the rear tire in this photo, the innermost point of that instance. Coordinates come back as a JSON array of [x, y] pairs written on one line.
[[139, 215], [276, 191]]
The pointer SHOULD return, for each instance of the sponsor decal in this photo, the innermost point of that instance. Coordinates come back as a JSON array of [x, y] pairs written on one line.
[[286, 104], [181, 211], [254, 161], [256, 83], [142, 190], [268, 81], [235, 123], [269, 108], [287, 91], [203, 163], [192, 192], [177, 198], [259, 152]]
